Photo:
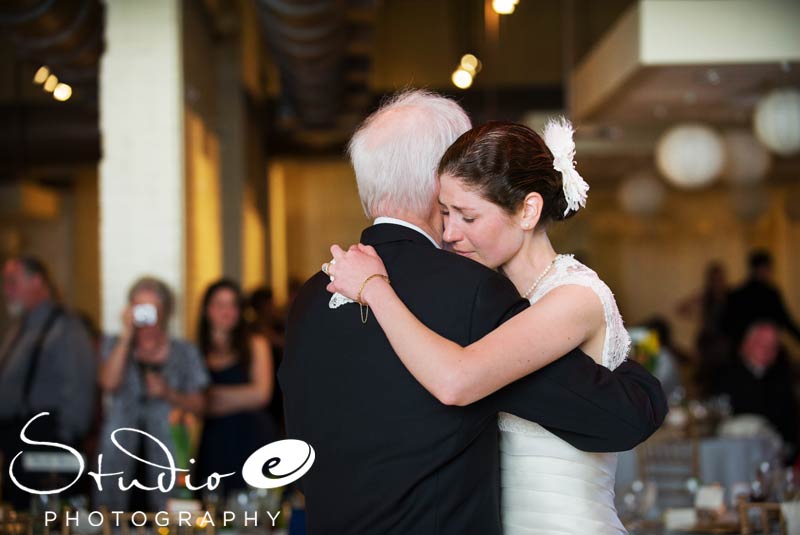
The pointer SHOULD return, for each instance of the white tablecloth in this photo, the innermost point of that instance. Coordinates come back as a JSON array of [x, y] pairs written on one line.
[[722, 460]]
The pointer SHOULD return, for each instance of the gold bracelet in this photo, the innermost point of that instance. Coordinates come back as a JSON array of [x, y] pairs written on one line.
[[362, 306]]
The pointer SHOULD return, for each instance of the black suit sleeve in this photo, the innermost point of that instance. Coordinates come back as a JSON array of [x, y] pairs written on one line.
[[496, 300], [587, 405]]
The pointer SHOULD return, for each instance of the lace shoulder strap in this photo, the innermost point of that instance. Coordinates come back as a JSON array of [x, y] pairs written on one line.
[[567, 270]]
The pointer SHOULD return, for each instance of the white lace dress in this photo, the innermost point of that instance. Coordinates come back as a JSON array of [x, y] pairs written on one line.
[[548, 486]]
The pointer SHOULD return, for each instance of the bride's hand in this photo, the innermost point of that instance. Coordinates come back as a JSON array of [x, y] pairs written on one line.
[[351, 268]]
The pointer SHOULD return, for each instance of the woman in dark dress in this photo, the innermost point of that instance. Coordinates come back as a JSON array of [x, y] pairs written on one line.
[[242, 382], [712, 347]]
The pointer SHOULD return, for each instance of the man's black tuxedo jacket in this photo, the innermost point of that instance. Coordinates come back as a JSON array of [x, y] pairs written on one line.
[[392, 459]]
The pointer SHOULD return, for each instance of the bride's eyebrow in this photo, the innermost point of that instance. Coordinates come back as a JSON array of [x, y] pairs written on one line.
[[456, 208], [463, 209]]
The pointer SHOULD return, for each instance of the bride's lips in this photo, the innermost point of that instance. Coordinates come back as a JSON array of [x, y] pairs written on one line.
[[462, 253]]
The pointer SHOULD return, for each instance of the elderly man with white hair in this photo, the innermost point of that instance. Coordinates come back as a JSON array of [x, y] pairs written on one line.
[[391, 458]]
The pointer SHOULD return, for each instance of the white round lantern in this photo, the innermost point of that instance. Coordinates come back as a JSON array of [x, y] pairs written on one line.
[[642, 194], [747, 161], [777, 121], [690, 155]]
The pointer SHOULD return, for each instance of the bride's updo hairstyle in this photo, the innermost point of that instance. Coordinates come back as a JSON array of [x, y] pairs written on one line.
[[504, 162]]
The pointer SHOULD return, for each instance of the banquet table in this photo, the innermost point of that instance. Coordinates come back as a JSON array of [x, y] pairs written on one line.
[[723, 460]]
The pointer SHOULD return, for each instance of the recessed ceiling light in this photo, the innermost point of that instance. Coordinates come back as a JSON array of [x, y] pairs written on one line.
[[41, 75], [462, 79]]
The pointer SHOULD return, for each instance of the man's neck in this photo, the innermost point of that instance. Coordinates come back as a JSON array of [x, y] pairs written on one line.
[[425, 226], [37, 302]]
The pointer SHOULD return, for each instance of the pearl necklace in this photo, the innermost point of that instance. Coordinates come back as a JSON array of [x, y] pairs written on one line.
[[527, 294]]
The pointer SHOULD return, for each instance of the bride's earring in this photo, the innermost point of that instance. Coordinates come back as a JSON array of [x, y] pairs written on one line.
[[527, 224]]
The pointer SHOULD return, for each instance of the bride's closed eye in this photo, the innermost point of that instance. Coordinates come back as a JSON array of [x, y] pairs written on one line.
[[445, 213]]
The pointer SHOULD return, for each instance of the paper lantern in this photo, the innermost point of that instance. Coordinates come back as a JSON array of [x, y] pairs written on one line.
[[642, 194], [747, 161], [777, 121], [690, 156]]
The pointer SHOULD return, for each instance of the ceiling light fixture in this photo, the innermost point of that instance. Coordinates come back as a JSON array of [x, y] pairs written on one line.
[[41, 75], [462, 79], [51, 83], [504, 7], [62, 92], [471, 64]]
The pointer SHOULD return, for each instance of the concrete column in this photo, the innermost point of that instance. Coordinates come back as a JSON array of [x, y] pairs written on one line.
[[231, 127], [142, 186]]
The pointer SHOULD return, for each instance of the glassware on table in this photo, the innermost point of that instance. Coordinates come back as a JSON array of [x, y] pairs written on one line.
[[211, 501], [771, 475], [791, 515], [788, 489], [639, 502], [740, 490], [757, 492], [40, 504]]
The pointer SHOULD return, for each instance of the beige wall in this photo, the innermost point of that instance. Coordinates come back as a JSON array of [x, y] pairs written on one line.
[[203, 214], [86, 244], [254, 240], [254, 213], [60, 226], [321, 207], [649, 264]]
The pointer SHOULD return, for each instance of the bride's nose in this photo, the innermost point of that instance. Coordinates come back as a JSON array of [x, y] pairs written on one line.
[[451, 233]]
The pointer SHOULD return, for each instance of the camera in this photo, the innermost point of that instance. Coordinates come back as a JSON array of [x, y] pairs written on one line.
[[145, 315]]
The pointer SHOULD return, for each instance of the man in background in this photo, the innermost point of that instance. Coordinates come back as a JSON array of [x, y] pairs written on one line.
[[47, 362], [760, 382], [757, 299]]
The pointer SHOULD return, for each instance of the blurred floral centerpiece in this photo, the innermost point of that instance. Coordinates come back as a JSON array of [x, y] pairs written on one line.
[[645, 347]]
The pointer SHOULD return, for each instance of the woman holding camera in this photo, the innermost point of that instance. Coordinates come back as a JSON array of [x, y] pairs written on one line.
[[149, 381]]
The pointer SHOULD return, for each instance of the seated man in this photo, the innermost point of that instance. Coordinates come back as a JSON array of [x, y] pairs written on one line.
[[760, 382]]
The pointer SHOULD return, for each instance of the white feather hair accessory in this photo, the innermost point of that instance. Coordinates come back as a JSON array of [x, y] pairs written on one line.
[[558, 138]]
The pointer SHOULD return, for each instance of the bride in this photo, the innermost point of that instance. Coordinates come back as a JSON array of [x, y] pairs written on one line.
[[502, 186]]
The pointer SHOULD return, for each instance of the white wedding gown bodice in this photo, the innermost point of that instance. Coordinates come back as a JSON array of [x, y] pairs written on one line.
[[549, 487]]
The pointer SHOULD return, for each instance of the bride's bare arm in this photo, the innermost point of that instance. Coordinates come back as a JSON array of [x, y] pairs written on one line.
[[561, 321]]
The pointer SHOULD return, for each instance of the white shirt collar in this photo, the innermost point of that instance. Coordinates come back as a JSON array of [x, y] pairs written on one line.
[[394, 221]]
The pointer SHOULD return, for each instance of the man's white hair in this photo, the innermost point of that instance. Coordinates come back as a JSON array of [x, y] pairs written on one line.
[[396, 151]]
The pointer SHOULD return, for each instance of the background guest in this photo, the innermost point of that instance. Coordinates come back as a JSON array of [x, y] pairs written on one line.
[[51, 343], [760, 382], [673, 361], [148, 378], [268, 321], [265, 319], [242, 382], [707, 307], [757, 299]]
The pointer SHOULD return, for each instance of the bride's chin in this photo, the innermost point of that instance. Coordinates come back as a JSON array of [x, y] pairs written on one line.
[[469, 254], [479, 259]]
